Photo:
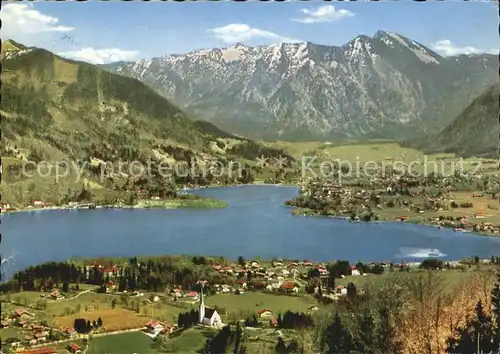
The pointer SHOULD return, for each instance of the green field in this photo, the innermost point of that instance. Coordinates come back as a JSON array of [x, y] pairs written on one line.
[[448, 278], [126, 343], [247, 304], [382, 151], [189, 341]]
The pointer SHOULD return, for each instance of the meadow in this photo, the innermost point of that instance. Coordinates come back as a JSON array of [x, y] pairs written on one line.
[[125, 343], [387, 152], [249, 303]]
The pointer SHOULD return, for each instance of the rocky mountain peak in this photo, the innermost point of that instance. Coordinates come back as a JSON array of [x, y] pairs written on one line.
[[381, 86]]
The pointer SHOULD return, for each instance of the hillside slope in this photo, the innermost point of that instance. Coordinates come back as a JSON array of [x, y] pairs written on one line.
[[384, 86], [81, 110], [54, 109], [474, 132]]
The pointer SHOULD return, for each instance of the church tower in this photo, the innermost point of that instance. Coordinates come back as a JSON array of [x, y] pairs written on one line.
[[202, 306]]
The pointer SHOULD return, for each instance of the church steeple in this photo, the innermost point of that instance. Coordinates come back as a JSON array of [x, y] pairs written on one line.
[[202, 306]]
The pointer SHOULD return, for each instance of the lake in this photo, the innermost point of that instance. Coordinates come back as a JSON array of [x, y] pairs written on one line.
[[254, 224]]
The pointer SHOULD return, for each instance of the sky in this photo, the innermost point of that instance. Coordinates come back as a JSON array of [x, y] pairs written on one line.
[[102, 32]]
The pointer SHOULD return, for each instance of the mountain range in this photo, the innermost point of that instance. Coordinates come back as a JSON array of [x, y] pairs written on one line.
[[384, 86]]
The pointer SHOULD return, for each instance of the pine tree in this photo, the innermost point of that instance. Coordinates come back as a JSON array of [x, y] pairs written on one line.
[[338, 339], [351, 290], [280, 346], [386, 339], [237, 339], [365, 339]]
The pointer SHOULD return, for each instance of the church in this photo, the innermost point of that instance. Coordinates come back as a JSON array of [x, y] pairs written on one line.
[[209, 317]]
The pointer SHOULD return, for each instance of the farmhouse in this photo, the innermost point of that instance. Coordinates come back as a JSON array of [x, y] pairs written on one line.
[[22, 314], [56, 295], [110, 286], [38, 203], [290, 287], [154, 327], [192, 295], [69, 332], [265, 313], [74, 348]]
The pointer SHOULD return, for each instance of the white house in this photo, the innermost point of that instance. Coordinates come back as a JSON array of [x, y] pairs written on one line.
[[209, 317], [355, 272], [38, 203]]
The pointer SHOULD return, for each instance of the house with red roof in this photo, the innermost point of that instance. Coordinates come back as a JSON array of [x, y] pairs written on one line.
[[290, 286], [109, 271], [193, 295], [74, 348], [110, 286], [22, 313], [154, 327], [70, 332], [38, 203], [340, 289], [264, 313]]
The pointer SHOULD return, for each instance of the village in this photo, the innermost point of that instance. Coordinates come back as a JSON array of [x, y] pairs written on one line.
[[251, 289], [464, 202]]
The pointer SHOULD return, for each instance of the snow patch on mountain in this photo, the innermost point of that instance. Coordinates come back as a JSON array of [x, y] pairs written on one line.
[[372, 86]]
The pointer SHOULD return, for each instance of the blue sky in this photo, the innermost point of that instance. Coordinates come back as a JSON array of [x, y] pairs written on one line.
[[107, 31]]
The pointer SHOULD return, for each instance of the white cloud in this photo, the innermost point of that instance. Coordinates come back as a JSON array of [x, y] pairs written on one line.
[[238, 32], [100, 56], [448, 48], [22, 20], [322, 14]]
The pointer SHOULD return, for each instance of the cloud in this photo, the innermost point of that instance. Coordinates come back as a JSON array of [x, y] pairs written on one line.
[[238, 32], [100, 56], [322, 14], [448, 48], [22, 20]]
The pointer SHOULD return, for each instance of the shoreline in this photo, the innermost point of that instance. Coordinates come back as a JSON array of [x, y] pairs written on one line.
[[310, 212], [170, 204], [166, 204], [137, 206]]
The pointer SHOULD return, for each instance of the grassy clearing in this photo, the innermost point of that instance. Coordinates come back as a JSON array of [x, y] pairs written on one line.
[[297, 149], [126, 343], [379, 151], [247, 304], [12, 331], [200, 203], [188, 342], [113, 320], [450, 278]]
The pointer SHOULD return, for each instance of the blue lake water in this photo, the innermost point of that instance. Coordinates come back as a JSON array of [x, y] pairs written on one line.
[[254, 224]]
